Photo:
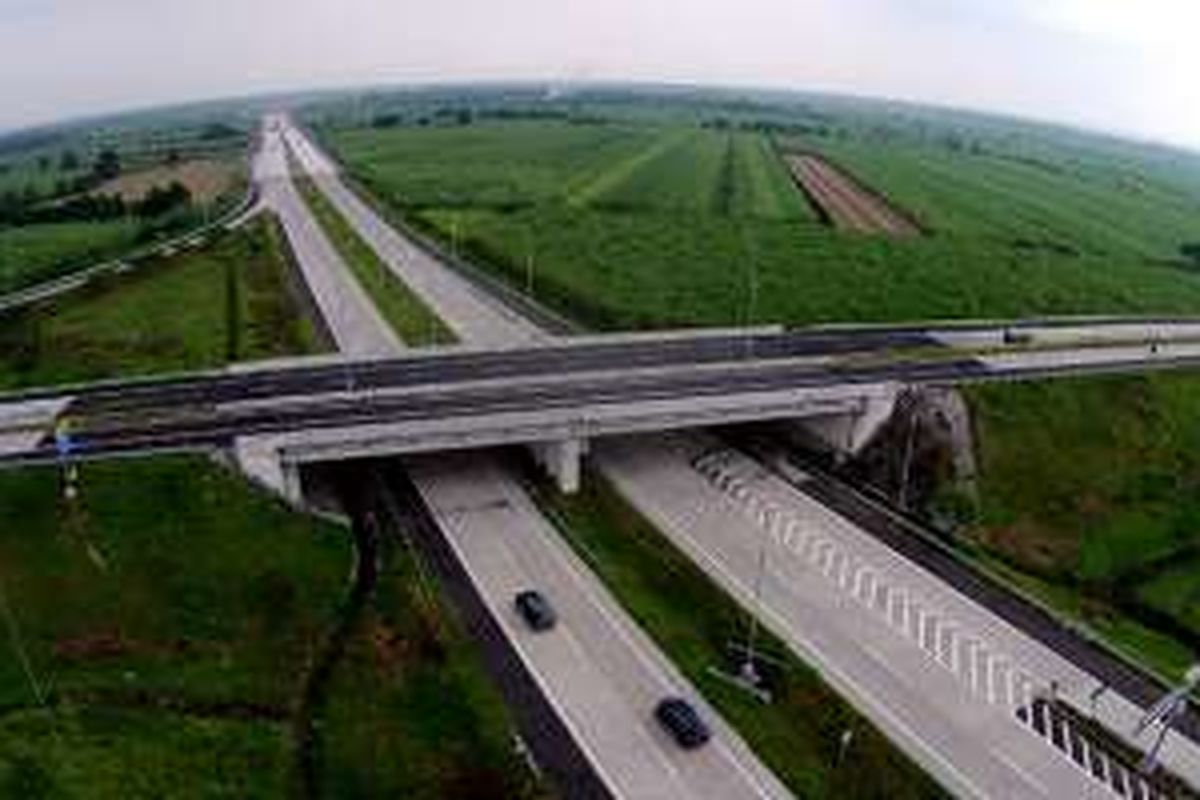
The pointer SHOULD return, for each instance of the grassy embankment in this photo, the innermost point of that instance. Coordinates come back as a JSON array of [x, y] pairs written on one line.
[[626, 231], [408, 315], [168, 619], [35, 253], [228, 302], [798, 734], [1088, 498]]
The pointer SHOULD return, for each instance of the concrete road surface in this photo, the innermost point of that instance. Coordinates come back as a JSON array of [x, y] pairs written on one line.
[[941, 675], [352, 319], [602, 673], [473, 314]]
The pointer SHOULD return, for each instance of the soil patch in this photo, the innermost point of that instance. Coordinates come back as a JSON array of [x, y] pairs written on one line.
[[206, 179], [844, 202]]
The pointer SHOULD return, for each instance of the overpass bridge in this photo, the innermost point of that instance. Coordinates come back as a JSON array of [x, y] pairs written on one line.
[[557, 396]]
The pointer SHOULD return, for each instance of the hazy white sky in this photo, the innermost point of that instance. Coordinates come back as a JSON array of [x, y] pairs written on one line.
[[1124, 65]]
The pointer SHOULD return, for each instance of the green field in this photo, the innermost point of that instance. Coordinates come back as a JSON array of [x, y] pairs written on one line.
[[1026, 202], [35, 253], [674, 226], [161, 645], [228, 302], [693, 621]]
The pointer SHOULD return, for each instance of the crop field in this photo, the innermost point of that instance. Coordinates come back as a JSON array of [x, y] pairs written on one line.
[[199, 309], [35, 253], [1043, 204], [500, 166], [642, 243]]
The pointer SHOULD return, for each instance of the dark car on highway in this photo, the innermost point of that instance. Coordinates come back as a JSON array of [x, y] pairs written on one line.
[[535, 609], [682, 722]]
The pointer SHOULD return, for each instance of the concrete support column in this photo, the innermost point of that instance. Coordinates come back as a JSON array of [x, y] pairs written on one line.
[[293, 490], [561, 460]]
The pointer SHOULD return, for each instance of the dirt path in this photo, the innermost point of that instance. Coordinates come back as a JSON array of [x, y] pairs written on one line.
[[306, 735], [846, 203]]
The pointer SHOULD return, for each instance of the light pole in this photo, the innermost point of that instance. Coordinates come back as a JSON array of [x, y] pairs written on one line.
[[752, 286], [528, 264]]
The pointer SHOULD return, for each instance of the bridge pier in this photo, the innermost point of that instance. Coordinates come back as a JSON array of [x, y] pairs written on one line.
[[561, 459]]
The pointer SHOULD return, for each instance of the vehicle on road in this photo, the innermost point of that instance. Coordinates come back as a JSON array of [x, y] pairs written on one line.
[[535, 609], [680, 720]]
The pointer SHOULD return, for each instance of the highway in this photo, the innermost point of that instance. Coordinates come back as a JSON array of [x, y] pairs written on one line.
[[941, 674], [1019, 758], [352, 320], [598, 671], [953, 719]]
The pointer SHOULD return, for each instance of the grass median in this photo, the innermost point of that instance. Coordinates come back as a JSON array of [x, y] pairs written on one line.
[[799, 735], [408, 315]]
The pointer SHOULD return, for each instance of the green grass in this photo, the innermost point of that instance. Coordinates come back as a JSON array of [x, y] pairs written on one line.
[[1091, 485], [35, 253], [412, 693], [692, 620], [171, 616], [121, 605], [408, 315], [227, 302], [117, 753]]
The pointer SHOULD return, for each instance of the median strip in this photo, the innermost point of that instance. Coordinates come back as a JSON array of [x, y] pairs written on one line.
[[408, 315]]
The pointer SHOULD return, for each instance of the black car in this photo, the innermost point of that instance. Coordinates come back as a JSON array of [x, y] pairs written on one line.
[[682, 722], [533, 606]]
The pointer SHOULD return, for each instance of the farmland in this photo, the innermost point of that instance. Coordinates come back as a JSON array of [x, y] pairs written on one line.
[[1026, 202], [636, 234]]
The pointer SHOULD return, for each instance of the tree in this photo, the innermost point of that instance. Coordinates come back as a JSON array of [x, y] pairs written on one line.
[[107, 165], [68, 161], [1191, 250], [160, 200], [172, 158]]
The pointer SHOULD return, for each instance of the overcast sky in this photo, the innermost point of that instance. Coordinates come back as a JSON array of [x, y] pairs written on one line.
[[1122, 65]]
